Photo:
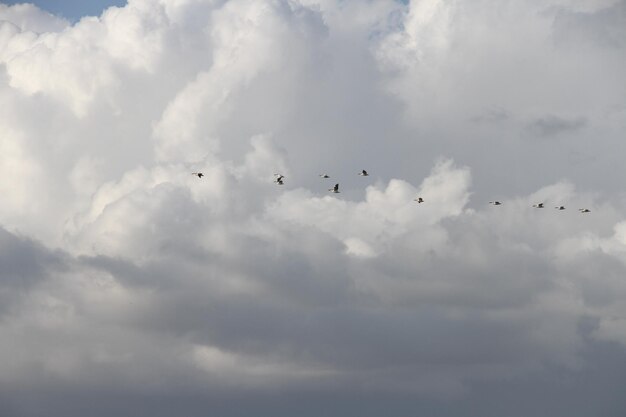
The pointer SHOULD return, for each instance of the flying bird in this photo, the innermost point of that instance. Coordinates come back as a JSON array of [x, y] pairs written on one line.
[[419, 200], [538, 205], [560, 207], [198, 174], [584, 210], [335, 189], [324, 175], [495, 203], [363, 173], [279, 179]]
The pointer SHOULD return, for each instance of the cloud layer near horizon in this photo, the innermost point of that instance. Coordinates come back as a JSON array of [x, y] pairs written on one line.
[[132, 283]]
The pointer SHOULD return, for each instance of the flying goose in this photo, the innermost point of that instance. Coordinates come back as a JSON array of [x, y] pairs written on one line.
[[335, 189], [538, 205], [198, 174], [363, 173], [560, 207], [279, 179], [495, 203], [324, 175], [584, 210], [419, 200]]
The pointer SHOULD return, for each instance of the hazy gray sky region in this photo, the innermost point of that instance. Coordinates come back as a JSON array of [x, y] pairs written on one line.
[[130, 287]]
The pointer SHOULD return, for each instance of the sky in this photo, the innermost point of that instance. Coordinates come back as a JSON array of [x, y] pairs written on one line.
[[72, 10], [130, 287]]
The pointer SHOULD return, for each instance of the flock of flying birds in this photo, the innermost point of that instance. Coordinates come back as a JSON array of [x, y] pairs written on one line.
[[279, 180], [540, 205]]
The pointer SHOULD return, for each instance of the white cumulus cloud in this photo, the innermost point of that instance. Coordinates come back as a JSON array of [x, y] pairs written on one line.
[[129, 286]]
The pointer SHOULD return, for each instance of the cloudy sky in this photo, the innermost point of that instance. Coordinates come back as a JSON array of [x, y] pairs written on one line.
[[129, 287]]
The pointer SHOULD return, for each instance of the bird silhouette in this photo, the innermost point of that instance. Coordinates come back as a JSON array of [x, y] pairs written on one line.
[[279, 179]]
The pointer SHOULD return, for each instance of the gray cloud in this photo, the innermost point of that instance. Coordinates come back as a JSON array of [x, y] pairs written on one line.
[[24, 265], [603, 27], [492, 116], [553, 125]]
